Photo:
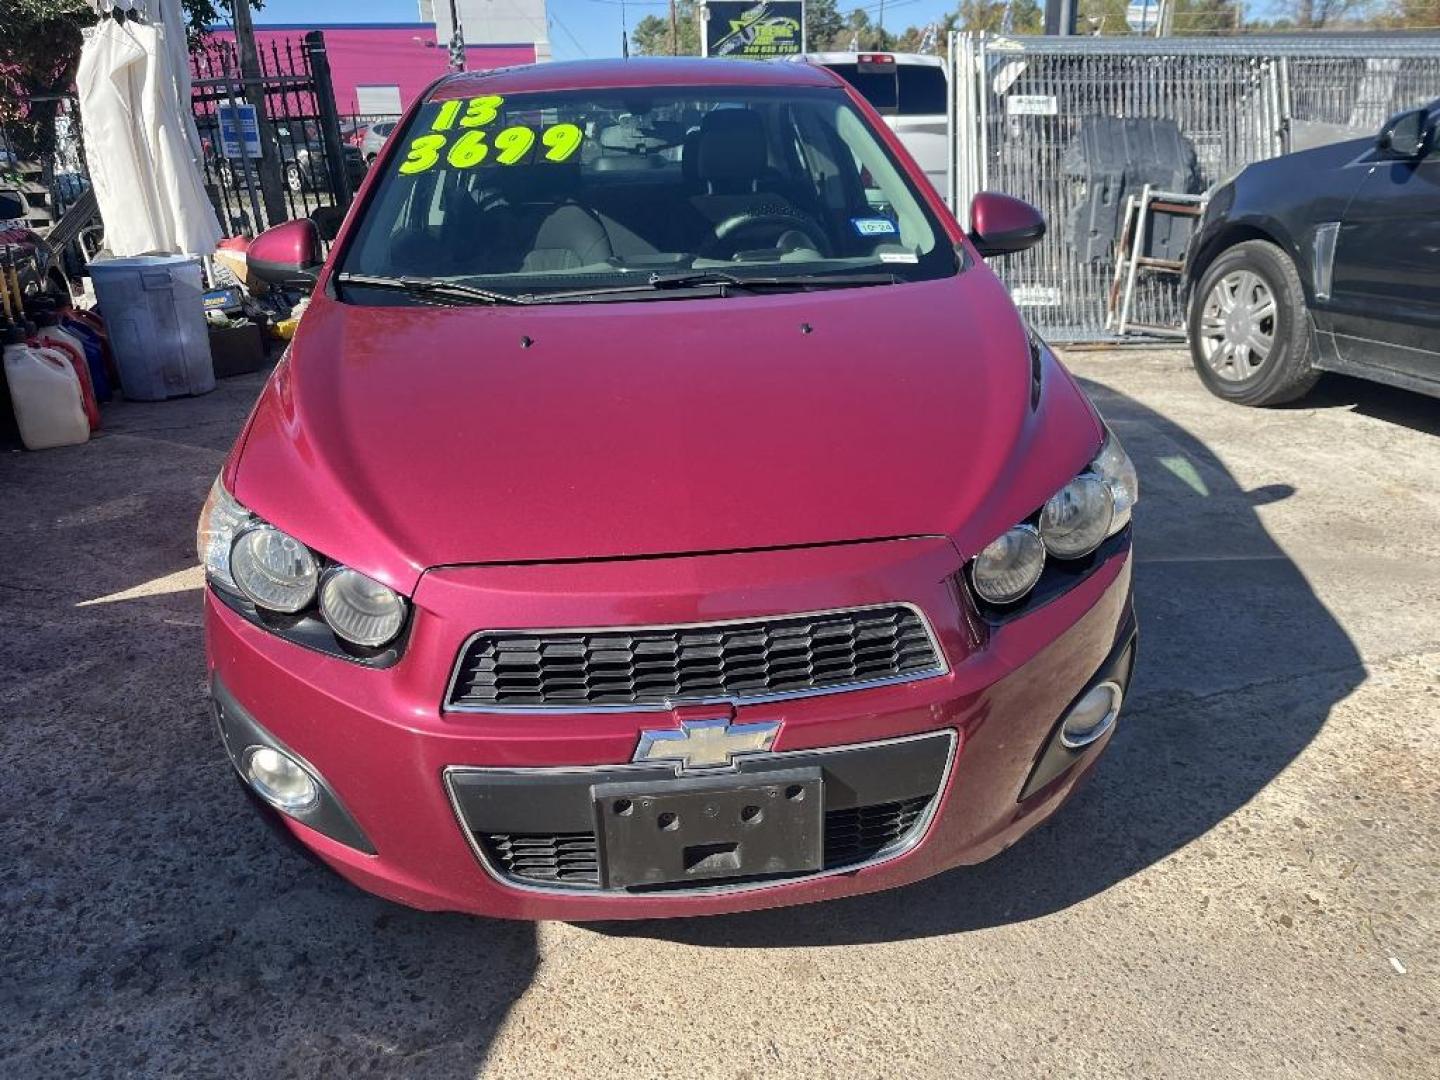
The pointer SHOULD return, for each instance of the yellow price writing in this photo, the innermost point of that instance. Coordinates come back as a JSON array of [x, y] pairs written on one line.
[[424, 152], [513, 145], [563, 140]]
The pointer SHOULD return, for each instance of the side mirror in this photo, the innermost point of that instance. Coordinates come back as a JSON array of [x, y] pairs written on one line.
[[287, 255], [1001, 225], [1406, 135], [10, 207]]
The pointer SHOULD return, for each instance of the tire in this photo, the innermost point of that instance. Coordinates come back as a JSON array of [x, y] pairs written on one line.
[[1250, 336], [294, 179]]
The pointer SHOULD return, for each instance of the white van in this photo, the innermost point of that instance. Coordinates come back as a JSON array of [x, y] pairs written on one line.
[[909, 90]]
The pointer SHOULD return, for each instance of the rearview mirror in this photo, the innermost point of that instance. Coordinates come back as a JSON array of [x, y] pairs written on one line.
[[287, 255], [1001, 225], [1406, 135]]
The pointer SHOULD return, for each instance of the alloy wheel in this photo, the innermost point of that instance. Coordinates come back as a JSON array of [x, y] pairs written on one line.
[[1237, 326]]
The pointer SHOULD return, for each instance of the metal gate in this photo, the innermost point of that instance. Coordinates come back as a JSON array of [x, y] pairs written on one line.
[[1032, 117], [304, 165]]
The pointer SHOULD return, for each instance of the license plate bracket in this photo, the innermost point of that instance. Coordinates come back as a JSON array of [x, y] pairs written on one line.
[[697, 829]]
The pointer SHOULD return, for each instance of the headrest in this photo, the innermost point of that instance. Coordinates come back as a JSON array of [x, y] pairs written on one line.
[[731, 145]]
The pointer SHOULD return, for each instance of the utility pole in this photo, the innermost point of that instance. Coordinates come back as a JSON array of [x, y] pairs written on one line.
[[270, 188], [674, 31], [1060, 17], [457, 40]]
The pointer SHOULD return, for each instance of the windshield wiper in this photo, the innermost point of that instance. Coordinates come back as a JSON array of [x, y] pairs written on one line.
[[721, 279], [431, 287], [681, 279]]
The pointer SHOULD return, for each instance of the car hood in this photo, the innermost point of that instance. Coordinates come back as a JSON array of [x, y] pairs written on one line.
[[401, 438]]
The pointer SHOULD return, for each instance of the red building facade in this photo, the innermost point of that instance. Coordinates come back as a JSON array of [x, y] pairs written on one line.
[[379, 68]]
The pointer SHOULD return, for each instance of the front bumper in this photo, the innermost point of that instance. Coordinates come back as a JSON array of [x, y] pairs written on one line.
[[417, 782]]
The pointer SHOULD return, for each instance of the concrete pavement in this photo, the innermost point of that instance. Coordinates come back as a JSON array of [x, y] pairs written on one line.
[[1250, 886]]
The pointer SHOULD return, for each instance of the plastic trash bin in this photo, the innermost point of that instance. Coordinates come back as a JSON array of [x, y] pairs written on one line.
[[155, 314]]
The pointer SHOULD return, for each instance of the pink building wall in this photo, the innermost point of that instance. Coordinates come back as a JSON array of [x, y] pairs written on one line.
[[397, 54]]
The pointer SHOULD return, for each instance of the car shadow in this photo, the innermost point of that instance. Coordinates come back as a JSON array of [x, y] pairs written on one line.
[[1240, 664], [1388, 403], [153, 924]]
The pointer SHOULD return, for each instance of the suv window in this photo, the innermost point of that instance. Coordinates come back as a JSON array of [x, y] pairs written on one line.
[[922, 90], [879, 88], [902, 90]]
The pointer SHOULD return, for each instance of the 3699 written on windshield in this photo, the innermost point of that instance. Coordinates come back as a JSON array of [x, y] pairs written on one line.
[[459, 138]]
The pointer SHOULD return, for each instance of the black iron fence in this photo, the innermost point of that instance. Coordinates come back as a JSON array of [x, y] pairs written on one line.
[[305, 165]]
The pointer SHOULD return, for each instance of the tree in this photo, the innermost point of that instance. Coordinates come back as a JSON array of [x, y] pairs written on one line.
[[651, 36], [1413, 13], [824, 25], [39, 49], [1317, 14]]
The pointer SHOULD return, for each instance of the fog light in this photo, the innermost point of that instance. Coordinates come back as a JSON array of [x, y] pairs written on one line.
[[1091, 716], [280, 780]]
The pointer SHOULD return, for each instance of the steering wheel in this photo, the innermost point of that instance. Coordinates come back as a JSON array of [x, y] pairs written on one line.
[[745, 222]]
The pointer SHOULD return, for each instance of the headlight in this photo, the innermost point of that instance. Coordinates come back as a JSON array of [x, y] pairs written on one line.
[[1074, 522], [248, 559], [1076, 519], [1009, 567], [220, 519], [360, 609], [1114, 467], [273, 569]]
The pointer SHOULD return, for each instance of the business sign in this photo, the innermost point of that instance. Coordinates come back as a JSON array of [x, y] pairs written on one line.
[[1032, 105], [743, 30], [238, 124]]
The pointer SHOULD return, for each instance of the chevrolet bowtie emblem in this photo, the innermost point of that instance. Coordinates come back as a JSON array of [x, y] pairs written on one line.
[[706, 744]]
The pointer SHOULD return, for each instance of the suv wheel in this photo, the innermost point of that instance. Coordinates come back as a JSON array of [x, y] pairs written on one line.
[[293, 178], [1249, 327]]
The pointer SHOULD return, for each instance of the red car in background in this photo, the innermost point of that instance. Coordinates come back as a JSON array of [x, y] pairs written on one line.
[[651, 518]]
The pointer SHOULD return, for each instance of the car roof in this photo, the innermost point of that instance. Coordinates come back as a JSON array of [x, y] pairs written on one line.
[[921, 59], [625, 74]]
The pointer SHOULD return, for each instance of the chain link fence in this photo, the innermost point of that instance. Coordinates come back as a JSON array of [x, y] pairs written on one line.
[[1076, 125]]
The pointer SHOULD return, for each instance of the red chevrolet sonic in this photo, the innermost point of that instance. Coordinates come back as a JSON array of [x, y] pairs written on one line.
[[662, 510]]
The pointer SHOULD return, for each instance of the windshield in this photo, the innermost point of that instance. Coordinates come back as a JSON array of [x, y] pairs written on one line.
[[579, 190]]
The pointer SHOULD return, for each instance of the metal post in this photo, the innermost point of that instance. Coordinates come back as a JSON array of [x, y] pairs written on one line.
[[270, 188], [328, 116], [457, 40], [952, 164], [674, 31], [1135, 253], [1060, 17]]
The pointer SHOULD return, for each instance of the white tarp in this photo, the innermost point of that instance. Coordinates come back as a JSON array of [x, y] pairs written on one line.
[[138, 132]]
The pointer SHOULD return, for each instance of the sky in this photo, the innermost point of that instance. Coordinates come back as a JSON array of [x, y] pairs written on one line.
[[578, 28]]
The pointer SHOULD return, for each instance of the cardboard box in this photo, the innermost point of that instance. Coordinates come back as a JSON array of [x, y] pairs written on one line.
[[237, 350]]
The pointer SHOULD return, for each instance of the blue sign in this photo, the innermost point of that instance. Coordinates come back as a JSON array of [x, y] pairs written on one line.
[[238, 123]]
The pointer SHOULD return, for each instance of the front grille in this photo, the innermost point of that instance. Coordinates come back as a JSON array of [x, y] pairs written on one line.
[[852, 835], [798, 654], [856, 834], [557, 858]]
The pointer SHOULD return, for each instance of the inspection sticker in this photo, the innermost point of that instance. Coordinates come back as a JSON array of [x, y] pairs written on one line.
[[874, 226], [899, 257]]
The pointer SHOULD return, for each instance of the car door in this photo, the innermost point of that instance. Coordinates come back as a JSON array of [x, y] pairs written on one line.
[[1385, 288]]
